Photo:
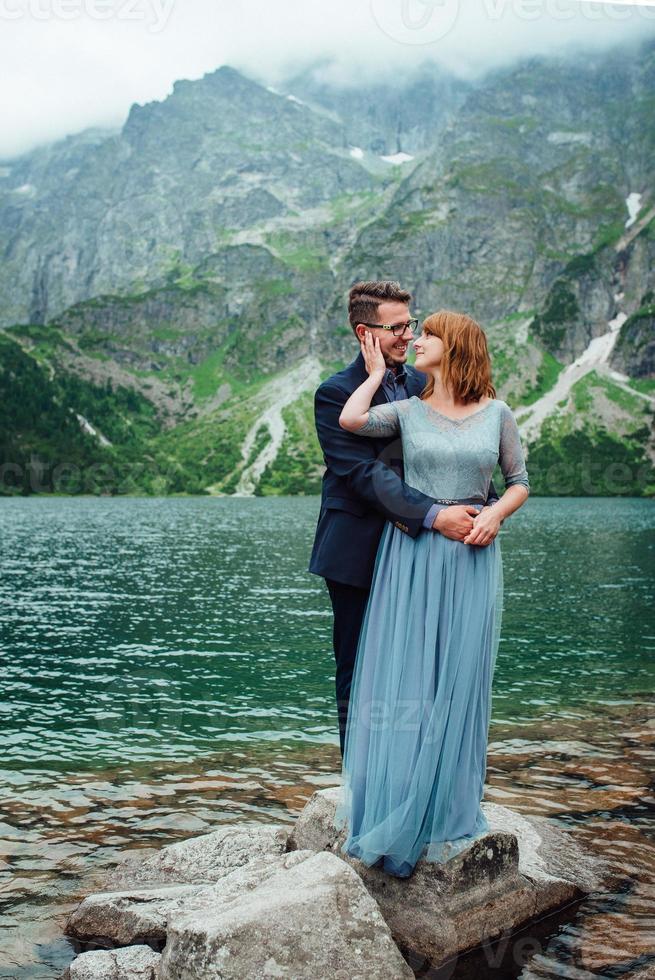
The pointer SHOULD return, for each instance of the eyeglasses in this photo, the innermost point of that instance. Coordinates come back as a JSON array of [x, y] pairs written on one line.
[[398, 329]]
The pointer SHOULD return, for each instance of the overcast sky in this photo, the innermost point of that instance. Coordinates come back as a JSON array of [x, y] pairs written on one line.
[[69, 64]]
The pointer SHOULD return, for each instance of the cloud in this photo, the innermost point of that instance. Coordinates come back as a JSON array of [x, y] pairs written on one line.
[[70, 64]]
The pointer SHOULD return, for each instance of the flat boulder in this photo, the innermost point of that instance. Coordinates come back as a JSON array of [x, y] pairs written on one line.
[[549, 857], [201, 859], [523, 868], [143, 914], [312, 919]]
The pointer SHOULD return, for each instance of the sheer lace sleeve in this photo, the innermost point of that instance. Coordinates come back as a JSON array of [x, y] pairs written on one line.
[[512, 459], [382, 420]]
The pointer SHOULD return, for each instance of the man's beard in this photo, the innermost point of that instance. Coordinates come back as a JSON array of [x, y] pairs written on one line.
[[395, 358]]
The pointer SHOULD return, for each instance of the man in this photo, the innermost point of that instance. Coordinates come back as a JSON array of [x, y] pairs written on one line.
[[362, 484]]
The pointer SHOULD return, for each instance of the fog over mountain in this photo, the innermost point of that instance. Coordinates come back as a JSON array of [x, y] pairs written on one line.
[[66, 69]]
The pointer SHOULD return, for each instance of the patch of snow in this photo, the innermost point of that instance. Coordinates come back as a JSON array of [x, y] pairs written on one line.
[[618, 297], [397, 158], [564, 138], [269, 88], [356, 152], [618, 321], [630, 233], [521, 335], [595, 355], [292, 98], [25, 189], [277, 395], [598, 350], [86, 426], [633, 204]]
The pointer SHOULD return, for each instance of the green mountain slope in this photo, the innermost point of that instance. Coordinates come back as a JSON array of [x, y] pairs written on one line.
[[172, 293]]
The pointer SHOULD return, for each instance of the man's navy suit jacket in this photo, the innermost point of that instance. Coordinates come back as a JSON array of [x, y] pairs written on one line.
[[362, 484]]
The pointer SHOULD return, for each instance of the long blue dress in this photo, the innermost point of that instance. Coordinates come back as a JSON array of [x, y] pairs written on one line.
[[415, 749]]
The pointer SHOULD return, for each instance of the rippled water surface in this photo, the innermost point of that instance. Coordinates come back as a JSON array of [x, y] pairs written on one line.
[[167, 668]]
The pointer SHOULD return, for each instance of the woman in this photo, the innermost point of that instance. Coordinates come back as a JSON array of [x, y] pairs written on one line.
[[414, 758]]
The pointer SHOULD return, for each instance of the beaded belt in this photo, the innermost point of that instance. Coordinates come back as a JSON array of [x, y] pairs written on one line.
[[460, 500]]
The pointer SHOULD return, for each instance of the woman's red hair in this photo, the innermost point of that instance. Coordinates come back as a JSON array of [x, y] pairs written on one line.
[[466, 365]]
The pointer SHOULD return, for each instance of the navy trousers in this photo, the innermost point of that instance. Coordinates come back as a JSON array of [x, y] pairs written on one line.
[[348, 607]]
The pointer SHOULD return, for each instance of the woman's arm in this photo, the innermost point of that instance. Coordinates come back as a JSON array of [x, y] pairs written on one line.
[[365, 472], [513, 498], [517, 486], [355, 412]]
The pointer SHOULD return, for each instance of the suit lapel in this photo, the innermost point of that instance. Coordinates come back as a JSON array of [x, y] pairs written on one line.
[[358, 374], [380, 397]]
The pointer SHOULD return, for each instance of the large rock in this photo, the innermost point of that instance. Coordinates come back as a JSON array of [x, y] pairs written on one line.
[[129, 963], [524, 867], [142, 895], [319, 912], [201, 860], [144, 914], [550, 858], [314, 919], [135, 915], [296, 914]]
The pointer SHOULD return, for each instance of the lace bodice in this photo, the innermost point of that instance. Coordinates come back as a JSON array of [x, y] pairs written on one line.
[[451, 458]]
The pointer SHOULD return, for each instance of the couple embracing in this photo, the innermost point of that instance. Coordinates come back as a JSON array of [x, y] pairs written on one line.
[[407, 543]]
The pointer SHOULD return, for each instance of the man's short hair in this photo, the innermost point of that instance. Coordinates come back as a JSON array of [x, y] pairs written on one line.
[[365, 297]]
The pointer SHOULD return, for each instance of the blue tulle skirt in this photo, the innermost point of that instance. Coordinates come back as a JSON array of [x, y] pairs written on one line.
[[415, 749]]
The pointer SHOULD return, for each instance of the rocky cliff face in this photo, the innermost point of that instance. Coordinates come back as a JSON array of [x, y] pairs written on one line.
[[118, 214], [400, 115], [524, 199], [203, 254]]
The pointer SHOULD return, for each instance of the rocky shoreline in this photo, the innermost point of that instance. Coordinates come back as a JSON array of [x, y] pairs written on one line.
[[283, 901]]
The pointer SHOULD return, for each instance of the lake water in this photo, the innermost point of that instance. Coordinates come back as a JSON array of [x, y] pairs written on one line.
[[167, 668]]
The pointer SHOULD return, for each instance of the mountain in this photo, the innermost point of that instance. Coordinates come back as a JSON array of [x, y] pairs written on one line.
[[171, 293], [388, 117], [181, 179]]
